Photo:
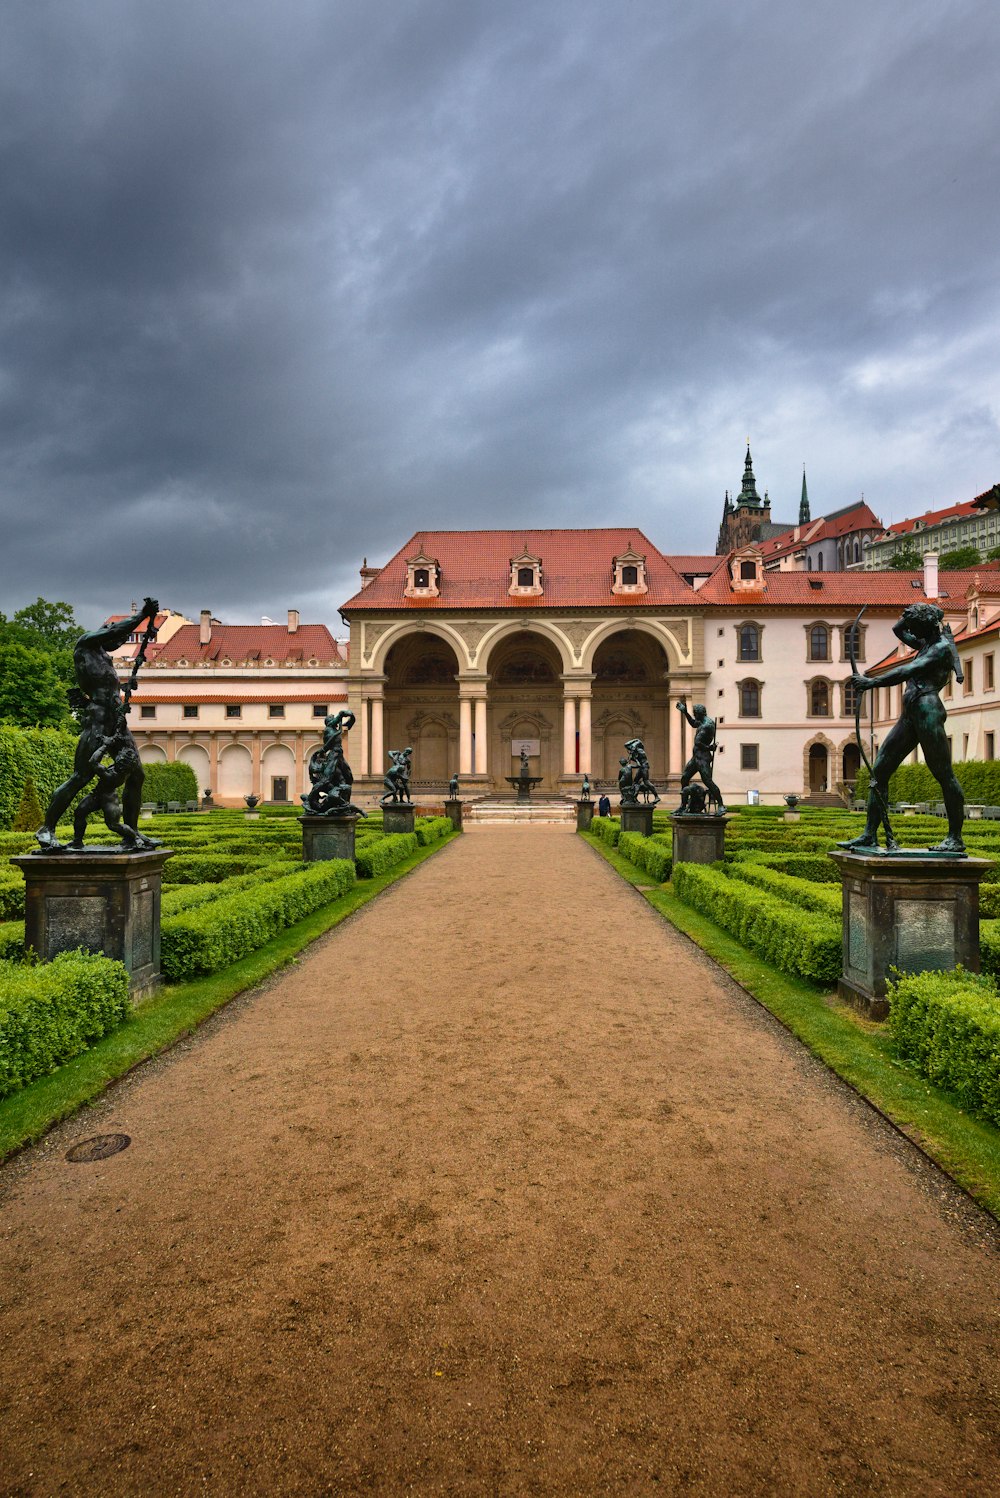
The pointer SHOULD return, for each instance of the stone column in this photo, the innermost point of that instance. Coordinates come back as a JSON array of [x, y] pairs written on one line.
[[465, 736], [362, 767], [213, 764], [586, 750], [480, 736], [255, 765], [569, 730], [676, 736], [377, 747], [300, 767]]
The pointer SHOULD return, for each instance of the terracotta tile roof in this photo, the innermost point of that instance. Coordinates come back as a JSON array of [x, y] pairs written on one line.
[[830, 590], [475, 571], [699, 565], [826, 528], [933, 517], [252, 642]]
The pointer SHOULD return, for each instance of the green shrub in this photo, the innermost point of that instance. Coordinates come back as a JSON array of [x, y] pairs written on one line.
[[173, 781], [52, 1011], [46, 754], [379, 856], [212, 868], [607, 828], [979, 779], [822, 897], [789, 938], [11, 893], [215, 935], [11, 941], [816, 867], [989, 901], [429, 829], [30, 814], [948, 1025]]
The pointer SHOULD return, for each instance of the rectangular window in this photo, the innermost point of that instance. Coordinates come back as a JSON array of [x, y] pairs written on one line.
[[320, 709], [276, 710], [146, 711], [967, 685], [990, 749], [989, 683], [749, 756], [965, 746], [233, 710], [190, 710]]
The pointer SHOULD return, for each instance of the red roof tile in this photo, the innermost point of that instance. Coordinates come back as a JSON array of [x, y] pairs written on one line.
[[577, 571], [933, 517], [826, 528], [246, 642], [821, 590]]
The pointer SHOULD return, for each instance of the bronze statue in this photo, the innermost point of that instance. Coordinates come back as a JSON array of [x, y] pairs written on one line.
[[921, 723], [524, 762], [693, 799], [702, 759], [101, 708], [626, 783], [585, 788], [641, 780], [329, 772], [453, 788], [397, 778]]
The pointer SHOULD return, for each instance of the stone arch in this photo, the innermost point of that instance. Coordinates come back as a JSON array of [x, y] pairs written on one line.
[[397, 632], [820, 751], [849, 760], [277, 762], [503, 631], [433, 734], [196, 755], [611, 728], [235, 772], [660, 633], [420, 703], [152, 754]]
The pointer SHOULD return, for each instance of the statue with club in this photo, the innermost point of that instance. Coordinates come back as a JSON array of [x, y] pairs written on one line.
[[702, 760], [397, 778], [101, 707], [331, 778]]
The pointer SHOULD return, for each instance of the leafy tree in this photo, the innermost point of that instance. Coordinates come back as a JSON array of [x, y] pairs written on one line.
[[993, 555], [959, 558], [29, 813], [32, 688], [908, 559], [50, 625]]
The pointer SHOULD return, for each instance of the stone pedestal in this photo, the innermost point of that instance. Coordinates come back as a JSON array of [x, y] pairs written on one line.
[[584, 815], [792, 816], [328, 837], [698, 837], [914, 913], [637, 819], [453, 811], [398, 818], [103, 900]]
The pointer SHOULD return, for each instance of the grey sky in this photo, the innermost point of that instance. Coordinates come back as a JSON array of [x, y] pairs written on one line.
[[286, 282]]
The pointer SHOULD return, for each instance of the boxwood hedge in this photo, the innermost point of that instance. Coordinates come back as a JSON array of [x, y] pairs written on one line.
[[948, 1026], [383, 853], [790, 938], [825, 898], [52, 1011]]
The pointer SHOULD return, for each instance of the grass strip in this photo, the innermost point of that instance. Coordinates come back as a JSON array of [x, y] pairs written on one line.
[[965, 1146], [174, 1012]]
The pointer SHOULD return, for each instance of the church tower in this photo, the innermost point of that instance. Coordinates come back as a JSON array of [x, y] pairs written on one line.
[[804, 501], [749, 519]]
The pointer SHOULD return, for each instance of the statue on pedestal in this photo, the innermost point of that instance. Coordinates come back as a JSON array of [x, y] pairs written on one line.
[[702, 761], [397, 778], [585, 788], [330, 775], [101, 706], [525, 769], [921, 723], [626, 783], [453, 788], [641, 778]]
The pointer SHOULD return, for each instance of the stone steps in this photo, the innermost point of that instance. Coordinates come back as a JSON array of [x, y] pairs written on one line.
[[493, 813]]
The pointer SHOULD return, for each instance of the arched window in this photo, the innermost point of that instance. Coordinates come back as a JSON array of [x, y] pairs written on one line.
[[525, 577], [421, 578], [819, 562], [819, 643], [749, 699], [630, 576], [749, 642], [748, 571], [819, 699], [809, 564], [857, 551]]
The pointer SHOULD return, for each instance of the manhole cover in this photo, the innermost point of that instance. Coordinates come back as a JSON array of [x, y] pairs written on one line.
[[98, 1148]]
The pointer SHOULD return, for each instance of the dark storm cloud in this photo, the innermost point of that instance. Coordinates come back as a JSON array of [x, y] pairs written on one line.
[[284, 284]]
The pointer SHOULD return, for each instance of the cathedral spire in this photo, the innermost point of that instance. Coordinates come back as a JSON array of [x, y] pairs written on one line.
[[804, 502], [748, 494]]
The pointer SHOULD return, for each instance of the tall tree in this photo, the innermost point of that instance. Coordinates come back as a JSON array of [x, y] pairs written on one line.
[[32, 689]]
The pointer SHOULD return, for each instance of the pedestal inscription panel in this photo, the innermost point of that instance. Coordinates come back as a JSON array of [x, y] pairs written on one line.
[[74, 921], [925, 935]]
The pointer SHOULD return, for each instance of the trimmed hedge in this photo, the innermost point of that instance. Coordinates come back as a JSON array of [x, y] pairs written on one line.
[[12, 888], [794, 940], [653, 854], [189, 896], [816, 867], [979, 779], [12, 941], [54, 1010], [44, 754], [822, 897], [608, 829], [948, 1026], [213, 868], [215, 935], [173, 781], [379, 856], [429, 829]]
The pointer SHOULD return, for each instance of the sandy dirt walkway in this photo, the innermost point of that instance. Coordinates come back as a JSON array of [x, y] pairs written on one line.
[[503, 1189]]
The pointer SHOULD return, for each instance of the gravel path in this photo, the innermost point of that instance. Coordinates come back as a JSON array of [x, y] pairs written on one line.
[[503, 1189]]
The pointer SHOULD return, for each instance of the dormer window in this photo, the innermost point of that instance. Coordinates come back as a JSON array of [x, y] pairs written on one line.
[[525, 576], [423, 577], [747, 569], [629, 573]]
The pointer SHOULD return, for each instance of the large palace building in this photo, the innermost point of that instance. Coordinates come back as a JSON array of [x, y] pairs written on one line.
[[468, 644]]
